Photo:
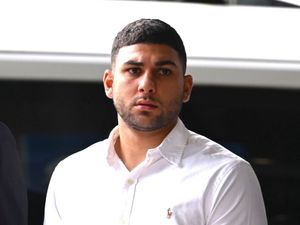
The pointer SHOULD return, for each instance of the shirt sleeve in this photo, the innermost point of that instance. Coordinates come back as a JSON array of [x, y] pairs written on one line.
[[237, 199], [52, 214]]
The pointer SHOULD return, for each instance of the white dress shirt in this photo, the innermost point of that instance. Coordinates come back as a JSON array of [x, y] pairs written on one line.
[[186, 180]]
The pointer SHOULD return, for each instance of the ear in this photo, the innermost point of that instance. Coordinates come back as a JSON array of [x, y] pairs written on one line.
[[187, 88], [108, 80]]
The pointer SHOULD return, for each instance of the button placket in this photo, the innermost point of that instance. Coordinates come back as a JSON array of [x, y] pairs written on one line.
[[129, 194]]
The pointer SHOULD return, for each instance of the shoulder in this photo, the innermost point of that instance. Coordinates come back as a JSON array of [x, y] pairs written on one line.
[[84, 159], [207, 149], [212, 159], [216, 164], [3, 126], [7, 143], [5, 133]]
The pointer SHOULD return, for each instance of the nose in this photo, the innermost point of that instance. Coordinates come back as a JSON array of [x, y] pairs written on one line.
[[146, 84]]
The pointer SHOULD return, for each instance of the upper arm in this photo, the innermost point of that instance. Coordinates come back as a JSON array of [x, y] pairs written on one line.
[[237, 199]]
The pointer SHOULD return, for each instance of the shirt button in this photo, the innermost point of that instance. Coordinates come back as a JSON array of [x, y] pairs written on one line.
[[130, 181]]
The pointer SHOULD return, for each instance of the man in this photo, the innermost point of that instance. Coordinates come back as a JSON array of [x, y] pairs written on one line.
[[13, 194], [151, 169]]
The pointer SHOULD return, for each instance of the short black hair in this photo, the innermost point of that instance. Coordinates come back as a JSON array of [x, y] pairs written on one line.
[[152, 31]]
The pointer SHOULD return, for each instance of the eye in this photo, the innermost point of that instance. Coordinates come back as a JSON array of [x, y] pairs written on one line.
[[164, 71], [134, 70]]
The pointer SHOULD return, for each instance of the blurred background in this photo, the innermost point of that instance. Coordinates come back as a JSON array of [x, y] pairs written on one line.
[[244, 56]]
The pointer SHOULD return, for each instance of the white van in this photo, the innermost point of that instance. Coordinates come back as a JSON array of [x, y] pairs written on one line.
[[226, 45]]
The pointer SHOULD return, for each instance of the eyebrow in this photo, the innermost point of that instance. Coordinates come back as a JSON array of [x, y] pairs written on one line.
[[133, 63], [165, 62], [159, 63]]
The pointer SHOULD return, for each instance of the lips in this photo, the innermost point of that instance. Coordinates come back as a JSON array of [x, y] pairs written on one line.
[[146, 104]]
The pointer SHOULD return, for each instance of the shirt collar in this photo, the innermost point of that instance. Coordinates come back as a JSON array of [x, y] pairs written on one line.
[[111, 154], [171, 148], [173, 145]]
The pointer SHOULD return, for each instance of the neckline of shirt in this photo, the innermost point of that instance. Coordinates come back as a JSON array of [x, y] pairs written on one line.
[[171, 148]]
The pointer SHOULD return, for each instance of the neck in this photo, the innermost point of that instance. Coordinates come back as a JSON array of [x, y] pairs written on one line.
[[132, 145]]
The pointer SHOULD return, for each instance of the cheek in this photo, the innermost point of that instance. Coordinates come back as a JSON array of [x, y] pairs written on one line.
[[127, 86], [176, 89], [172, 94], [123, 91]]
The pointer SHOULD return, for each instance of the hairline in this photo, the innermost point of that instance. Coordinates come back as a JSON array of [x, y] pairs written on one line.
[[181, 60]]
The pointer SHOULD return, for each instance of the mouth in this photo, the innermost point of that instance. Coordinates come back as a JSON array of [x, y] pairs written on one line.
[[146, 105]]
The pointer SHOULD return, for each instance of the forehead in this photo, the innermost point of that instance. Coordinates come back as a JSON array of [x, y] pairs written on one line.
[[145, 52]]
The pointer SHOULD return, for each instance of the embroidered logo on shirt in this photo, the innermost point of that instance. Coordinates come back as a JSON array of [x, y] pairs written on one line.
[[169, 213]]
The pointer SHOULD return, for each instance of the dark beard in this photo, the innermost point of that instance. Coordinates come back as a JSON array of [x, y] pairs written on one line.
[[157, 123]]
